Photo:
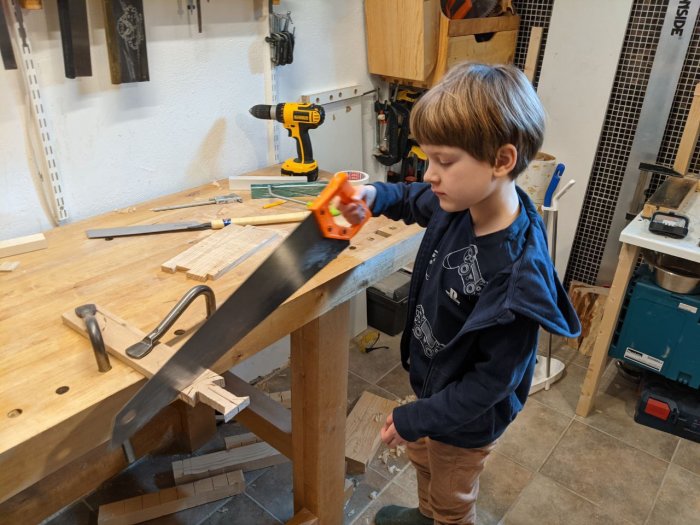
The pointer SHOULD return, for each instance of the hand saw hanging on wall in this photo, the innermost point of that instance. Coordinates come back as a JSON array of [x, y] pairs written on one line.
[[311, 246]]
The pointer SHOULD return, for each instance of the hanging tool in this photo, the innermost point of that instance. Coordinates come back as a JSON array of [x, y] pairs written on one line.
[[281, 40], [8, 55], [298, 119], [72, 17], [311, 246], [126, 41], [223, 199]]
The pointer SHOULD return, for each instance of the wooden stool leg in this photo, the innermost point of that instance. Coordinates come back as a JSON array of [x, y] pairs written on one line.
[[319, 364], [599, 357]]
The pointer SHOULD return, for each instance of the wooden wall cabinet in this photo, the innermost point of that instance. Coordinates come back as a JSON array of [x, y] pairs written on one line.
[[412, 42]]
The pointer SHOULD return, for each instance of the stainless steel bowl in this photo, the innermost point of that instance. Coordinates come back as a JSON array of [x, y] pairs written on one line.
[[676, 274]]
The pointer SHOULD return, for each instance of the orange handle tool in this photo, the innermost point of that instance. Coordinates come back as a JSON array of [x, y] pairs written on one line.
[[320, 207]]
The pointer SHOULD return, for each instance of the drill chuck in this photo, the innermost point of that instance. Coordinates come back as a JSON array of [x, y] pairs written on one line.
[[264, 112]]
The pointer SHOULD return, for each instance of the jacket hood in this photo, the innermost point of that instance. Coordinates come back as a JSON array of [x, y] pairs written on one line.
[[529, 287]]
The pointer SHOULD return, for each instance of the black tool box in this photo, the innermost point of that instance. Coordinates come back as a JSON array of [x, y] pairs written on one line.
[[669, 406], [387, 303]]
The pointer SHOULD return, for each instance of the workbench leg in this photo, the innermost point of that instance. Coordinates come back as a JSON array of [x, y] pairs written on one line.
[[319, 364], [599, 357], [198, 424]]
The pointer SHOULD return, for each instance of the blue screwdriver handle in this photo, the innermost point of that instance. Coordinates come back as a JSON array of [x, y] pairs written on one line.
[[553, 183]]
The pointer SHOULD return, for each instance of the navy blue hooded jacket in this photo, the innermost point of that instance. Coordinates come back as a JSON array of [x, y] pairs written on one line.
[[472, 389]]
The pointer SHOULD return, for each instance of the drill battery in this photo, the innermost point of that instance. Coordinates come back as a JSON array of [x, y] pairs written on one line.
[[669, 406]]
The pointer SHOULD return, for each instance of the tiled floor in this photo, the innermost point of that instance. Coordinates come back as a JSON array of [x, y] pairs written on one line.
[[551, 467]]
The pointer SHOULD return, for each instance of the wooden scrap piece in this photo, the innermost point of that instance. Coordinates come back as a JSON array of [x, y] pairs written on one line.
[[8, 266], [219, 252], [589, 303], [118, 335], [362, 428], [246, 458], [284, 398], [171, 500], [28, 243], [241, 440]]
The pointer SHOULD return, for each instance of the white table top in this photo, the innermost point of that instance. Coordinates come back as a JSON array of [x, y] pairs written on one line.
[[637, 233]]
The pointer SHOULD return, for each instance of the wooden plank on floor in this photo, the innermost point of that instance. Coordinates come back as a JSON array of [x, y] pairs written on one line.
[[362, 428], [171, 500], [246, 458]]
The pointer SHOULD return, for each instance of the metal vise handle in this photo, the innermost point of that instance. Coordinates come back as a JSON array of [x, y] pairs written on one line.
[[144, 347], [87, 313]]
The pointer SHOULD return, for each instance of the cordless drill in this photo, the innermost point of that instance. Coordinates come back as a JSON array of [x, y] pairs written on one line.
[[298, 119]]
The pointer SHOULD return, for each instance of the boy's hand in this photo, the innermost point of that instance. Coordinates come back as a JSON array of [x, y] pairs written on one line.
[[353, 212], [389, 434]]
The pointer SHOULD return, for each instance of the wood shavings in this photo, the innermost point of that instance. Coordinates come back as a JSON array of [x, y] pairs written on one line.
[[216, 183], [377, 417], [130, 209], [400, 450], [393, 469], [373, 494], [407, 399]]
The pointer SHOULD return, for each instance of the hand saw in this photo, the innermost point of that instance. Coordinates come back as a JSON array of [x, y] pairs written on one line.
[[311, 246]]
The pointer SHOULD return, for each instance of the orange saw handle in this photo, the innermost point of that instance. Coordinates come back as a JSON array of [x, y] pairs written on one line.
[[320, 207]]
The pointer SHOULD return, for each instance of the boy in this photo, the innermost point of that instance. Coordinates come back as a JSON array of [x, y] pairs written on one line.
[[483, 283]]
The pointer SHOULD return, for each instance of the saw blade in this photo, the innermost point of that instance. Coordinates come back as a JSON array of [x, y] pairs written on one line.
[[142, 229], [293, 263]]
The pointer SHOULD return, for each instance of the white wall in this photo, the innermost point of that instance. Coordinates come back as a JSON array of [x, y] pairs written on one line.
[[118, 145]]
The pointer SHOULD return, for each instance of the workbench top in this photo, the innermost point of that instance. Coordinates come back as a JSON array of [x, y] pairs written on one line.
[[637, 233], [55, 404]]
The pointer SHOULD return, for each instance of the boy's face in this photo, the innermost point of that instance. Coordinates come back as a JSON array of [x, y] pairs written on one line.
[[458, 179]]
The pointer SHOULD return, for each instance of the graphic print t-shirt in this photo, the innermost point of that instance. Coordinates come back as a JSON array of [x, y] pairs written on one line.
[[459, 269]]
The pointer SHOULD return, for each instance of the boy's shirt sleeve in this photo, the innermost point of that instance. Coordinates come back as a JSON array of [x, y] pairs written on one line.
[[411, 203], [503, 363]]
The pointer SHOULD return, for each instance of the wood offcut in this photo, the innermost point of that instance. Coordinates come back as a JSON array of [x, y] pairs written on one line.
[[362, 428], [174, 499]]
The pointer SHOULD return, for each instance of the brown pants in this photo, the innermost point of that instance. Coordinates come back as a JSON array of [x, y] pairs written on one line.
[[448, 495]]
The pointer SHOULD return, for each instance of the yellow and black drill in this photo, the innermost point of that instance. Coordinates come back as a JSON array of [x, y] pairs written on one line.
[[298, 119]]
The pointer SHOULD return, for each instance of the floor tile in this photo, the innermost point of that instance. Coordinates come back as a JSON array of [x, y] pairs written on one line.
[[614, 414], [273, 490], [372, 366], [393, 494], [532, 436], [678, 500], [688, 456], [371, 482], [396, 382], [563, 395], [76, 514], [544, 502], [242, 510], [499, 487], [620, 478], [357, 385]]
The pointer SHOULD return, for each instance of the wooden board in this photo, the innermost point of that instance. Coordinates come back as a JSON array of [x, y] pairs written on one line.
[[533, 52], [118, 336], [18, 245], [362, 428], [589, 303], [171, 500], [673, 194], [241, 440], [246, 458], [221, 251], [126, 40]]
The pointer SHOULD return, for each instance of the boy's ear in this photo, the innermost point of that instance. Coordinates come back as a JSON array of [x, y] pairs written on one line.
[[506, 158]]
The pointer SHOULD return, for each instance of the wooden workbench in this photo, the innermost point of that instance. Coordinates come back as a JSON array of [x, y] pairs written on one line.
[[53, 445], [634, 237]]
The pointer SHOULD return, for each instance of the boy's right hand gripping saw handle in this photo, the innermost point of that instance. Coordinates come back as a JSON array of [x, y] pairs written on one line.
[[340, 187]]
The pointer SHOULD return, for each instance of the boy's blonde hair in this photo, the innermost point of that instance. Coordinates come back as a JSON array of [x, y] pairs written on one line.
[[480, 108]]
